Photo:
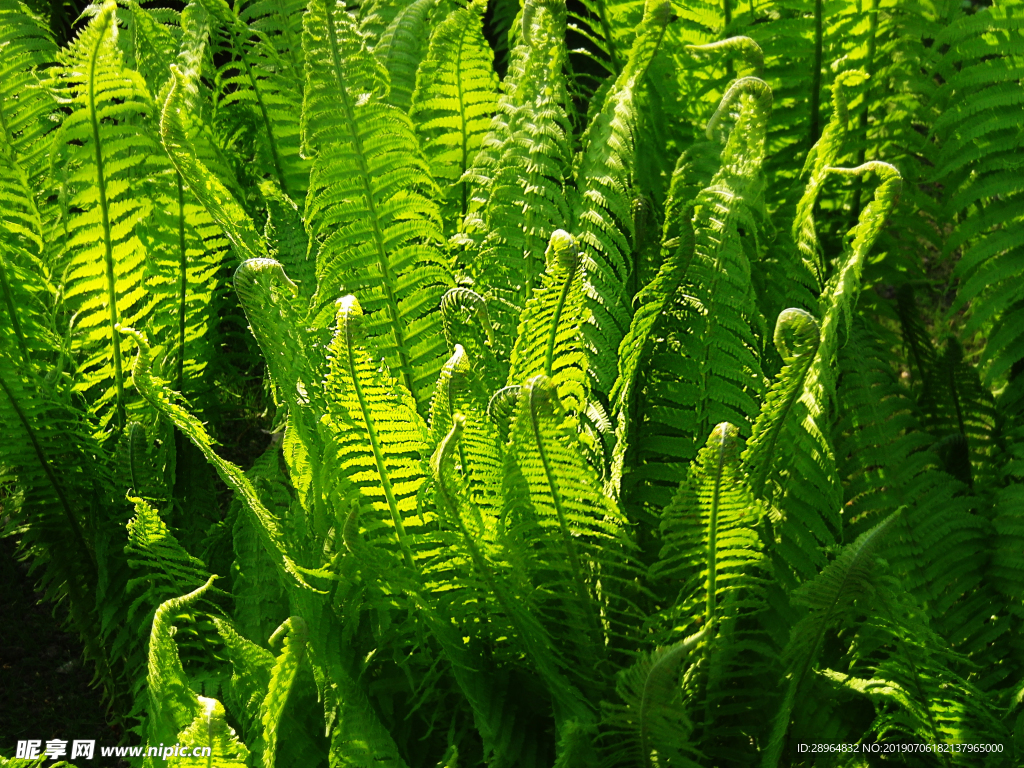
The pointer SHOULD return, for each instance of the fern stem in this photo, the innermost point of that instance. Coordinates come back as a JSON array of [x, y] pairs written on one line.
[[858, 189], [815, 131], [265, 115], [388, 278], [182, 265], [378, 457], [606, 30], [709, 616], [44, 463], [12, 311], [727, 13], [108, 245], [556, 498], [463, 135], [549, 353]]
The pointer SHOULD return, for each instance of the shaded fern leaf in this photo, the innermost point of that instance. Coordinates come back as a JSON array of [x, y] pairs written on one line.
[[828, 598], [652, 728], [264, 522]]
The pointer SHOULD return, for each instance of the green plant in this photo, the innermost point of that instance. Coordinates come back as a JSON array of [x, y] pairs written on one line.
[[608, 426]]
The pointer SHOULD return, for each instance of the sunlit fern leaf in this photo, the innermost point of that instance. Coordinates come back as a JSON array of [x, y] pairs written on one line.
[[547, 342], [828, 598], [653, 728], [518, 180], [602, 210], [28, 48], [251, 665], [380, 440], [282, 679], [370, 212], [260, 85], [455, 96], [104, 148], [167, 567], [980, 166], [211, 735], [172, 703], [402, 46], [209, 190], [159, 397], [582, 550]]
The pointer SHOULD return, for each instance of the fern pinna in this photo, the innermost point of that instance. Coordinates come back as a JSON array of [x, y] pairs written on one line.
[[635, 384]]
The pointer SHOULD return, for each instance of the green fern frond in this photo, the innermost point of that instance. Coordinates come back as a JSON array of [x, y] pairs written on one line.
[[514, 213], [207, 188], [104, 149], [282, 679], [401, 48], [602, 210], [264, 522], [827, 597], [172, 704], [210, 731], [455, 96], [370, 212], [380, 441], [653, 722], [547, 343], [259, 85]]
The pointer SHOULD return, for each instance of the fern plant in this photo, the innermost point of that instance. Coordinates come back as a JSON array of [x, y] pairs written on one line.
[[641, 381]]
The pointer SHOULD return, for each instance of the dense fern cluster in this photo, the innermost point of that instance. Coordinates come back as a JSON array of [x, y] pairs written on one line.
[[653, 403]]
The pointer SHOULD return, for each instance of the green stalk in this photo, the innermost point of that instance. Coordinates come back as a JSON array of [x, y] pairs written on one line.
[[816, 76], [549, 353], [182, 266], [378, 456], [108, 245], [556, 499], [5, 286], [709, 614], [364, 177]]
